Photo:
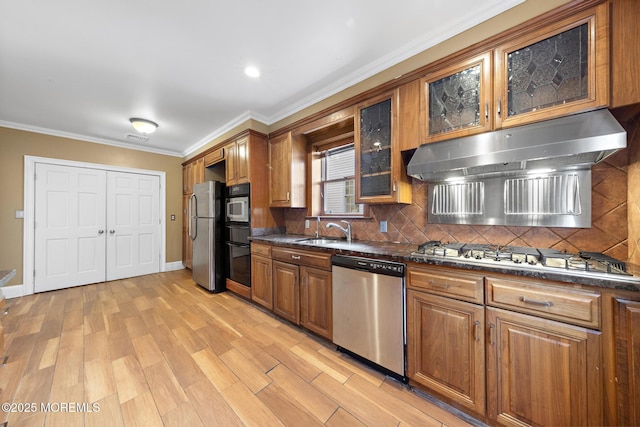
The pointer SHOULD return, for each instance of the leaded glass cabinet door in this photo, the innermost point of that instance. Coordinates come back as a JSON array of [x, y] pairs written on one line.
[[375, 142], [456, 101], [556, 71]]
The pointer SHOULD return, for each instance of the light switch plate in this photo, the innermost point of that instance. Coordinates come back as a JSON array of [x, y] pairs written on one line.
[[19, 214], [383, 226]]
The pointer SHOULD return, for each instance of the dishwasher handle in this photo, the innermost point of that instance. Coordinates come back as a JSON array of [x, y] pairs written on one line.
[[376, 266]]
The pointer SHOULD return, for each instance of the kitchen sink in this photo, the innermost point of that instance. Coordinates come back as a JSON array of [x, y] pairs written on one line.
[[322, 241]]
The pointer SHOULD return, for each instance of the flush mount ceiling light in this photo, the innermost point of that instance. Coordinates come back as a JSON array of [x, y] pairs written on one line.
[[252, 72], [143, 125]]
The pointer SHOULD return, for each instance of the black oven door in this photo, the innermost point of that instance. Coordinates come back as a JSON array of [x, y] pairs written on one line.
[[239, 263]]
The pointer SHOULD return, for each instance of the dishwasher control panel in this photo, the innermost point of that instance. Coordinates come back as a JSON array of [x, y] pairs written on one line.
[[388, 268]]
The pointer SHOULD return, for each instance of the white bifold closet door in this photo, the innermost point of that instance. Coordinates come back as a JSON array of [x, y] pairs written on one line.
[[94, 225]]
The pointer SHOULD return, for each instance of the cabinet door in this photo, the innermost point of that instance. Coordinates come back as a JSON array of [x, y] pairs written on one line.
[[374, 139], [286, 291], [445, 347], [315, 301], [242, 160], [197, 171], [280, 170], [231, 163], [627, 329], [561, 69], [457, 100], [187, 244], [261, 281], [187, 183], [542, 372]]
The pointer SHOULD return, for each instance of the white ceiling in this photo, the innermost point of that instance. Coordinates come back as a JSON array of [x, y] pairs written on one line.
[[81, 69]]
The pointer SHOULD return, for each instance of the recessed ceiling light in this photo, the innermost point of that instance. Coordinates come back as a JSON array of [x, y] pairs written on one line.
[[252, 71]]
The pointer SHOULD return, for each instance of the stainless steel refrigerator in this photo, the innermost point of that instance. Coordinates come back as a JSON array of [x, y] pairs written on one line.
[[206, 229]]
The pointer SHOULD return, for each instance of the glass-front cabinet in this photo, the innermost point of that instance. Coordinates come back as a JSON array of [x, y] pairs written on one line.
[[378, 160], [555, 70], [456, 100], [559, 70]]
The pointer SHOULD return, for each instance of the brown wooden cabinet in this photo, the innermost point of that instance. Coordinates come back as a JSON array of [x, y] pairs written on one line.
[[286, 291], [237, 161], [561, 68], [542, 372], [261, 275], [187, 244], [627, 360], [287, 171], [456, 100], [555, 70], [380, 177], [625, 53], [445, 336], [316, 308], [192, 173], [302, 288]]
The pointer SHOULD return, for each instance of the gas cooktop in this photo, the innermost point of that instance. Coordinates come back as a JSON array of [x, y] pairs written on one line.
[[525, 258]]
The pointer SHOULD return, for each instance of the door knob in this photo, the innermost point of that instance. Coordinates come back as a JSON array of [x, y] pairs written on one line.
[[100, 231], [112, 231]]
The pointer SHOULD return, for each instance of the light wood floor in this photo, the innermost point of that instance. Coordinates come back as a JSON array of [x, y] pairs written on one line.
[[159, 350]]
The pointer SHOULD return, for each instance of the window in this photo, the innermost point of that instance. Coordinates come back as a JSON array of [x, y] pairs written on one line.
[[338, 182]]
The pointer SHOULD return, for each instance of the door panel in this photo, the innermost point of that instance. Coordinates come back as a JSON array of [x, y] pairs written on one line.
[[133, 221], [69, 232]]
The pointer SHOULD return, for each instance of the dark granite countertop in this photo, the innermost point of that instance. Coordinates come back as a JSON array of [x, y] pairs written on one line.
[[402, 252]]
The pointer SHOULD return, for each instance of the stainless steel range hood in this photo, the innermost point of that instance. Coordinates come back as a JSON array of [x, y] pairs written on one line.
[[572, 142]]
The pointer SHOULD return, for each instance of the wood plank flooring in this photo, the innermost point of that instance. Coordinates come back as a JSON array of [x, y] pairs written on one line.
[[159, 350]]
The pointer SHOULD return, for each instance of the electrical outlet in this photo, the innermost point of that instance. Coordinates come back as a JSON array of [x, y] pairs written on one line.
[[383, 226], [306, 223], [173, 217]]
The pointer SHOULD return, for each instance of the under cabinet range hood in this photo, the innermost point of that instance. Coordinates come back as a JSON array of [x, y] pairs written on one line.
[[572, 142]]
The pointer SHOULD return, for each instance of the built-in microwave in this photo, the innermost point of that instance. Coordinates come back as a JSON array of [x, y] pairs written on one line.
[[238, 209]]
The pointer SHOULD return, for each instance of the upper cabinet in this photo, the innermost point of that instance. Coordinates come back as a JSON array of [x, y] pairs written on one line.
[[192, 173], [559, 69], [379, 175], [625, 53], [287, 171], [237, 159], [457, 100]]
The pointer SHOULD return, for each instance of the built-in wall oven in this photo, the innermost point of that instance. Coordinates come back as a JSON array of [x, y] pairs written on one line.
[[238, 231]]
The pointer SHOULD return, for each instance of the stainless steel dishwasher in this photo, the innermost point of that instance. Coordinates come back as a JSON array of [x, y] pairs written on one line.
[[368, 311]]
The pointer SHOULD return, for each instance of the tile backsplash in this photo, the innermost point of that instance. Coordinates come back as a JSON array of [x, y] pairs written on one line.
[[408, 223]]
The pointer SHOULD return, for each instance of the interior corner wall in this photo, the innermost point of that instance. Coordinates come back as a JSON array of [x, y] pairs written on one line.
[[15, 144]]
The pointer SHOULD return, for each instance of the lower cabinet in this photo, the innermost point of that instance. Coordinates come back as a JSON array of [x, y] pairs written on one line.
[[514, 351], [542, 372], [295, 285], [447, 358], [261, 275], [627, 373]]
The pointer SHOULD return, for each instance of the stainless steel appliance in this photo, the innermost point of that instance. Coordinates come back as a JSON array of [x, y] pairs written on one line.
[[369, 312], [526, 258], [238, 231], [206, 231]]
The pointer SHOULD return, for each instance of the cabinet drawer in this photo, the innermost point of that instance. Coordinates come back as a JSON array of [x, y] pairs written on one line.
[[214, 157], [261, 249], [298, 257], [569, 305], [447, 282]]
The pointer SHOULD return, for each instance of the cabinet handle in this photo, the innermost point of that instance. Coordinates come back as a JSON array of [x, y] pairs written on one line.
[[394, 186], [486, 110], [477, 330], [499, 107], [534, 302], [295, 256], [287, 196], [492, 334]]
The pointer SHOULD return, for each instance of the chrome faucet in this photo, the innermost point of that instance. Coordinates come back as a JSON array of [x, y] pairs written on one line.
[[346, 230]]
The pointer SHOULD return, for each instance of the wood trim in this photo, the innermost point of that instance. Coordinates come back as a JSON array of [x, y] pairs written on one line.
[[239, 289]]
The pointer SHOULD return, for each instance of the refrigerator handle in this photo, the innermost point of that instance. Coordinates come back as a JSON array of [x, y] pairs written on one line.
[[192, 232]]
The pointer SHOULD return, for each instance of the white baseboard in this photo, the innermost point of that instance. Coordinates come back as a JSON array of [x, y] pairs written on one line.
[[13, 291], [16, 291], [172, 266]]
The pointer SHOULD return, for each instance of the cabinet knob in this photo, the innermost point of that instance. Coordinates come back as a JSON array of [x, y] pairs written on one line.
[[112, 231], [100, 231]]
